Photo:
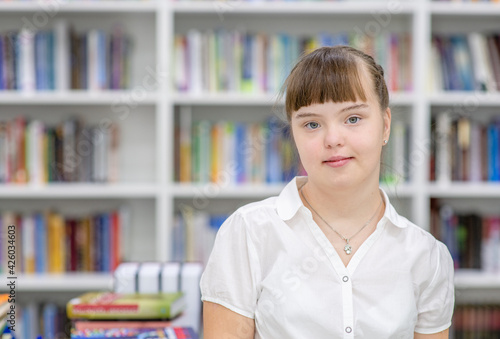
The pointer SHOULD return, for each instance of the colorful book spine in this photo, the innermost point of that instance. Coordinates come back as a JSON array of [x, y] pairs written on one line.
[[52, 243]]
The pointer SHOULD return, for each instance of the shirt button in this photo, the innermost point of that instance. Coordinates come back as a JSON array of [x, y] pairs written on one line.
[[345, 278], [348, 329]]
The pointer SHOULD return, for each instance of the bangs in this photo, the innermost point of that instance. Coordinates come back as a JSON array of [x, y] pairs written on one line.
[[322, 77]]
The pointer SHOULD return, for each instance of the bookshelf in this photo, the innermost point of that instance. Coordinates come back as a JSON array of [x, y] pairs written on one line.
[[147, 150]]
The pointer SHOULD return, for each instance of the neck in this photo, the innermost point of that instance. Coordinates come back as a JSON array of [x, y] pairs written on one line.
[[344, 209]]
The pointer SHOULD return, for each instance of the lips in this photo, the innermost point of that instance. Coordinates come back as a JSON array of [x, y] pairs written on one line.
[[337, 161], [337, 158]]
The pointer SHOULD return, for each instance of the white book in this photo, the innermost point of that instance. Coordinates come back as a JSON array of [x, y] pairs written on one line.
[[62, 55], [190, 285], [92, 60], [435, 77], [195, 61], [149, 278], [443, 148], [36, 156], [478, 62], [124, 277], [27, 60], [28, 243], [180, 75]]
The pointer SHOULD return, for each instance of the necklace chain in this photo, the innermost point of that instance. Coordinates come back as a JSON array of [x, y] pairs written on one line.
[[347, 247]]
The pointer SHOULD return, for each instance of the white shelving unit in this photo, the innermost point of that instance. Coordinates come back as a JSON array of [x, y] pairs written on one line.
[[148, 134]]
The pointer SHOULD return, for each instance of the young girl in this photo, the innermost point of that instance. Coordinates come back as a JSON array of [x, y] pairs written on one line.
[[329, 257]]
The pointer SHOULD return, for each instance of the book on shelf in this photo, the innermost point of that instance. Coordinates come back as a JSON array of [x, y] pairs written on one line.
[[396, 167], [71, 151], [219, 60], [465, 62], [62, 59], [464, 149], [110, 305], [473, 240], [49, 242], [234, 152], [476, 321], [136, 333]]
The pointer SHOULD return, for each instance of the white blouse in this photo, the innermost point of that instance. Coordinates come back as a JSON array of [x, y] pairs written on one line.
[[272, 263]]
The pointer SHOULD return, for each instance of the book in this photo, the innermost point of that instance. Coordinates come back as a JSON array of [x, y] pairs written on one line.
[[110, 305]]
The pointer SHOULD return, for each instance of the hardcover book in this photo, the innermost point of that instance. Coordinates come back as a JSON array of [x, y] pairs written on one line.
[[109, 305]]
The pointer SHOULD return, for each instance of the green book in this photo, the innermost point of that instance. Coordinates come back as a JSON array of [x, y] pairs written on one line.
[[110, 305]]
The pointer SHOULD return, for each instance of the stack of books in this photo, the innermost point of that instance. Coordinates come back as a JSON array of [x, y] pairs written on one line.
[[99, 315]]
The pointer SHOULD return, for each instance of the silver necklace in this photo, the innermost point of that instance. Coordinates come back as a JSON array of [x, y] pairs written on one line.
[[347, 247]]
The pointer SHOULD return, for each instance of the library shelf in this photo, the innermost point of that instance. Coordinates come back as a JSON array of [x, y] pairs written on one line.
[[464, 8], [53, 7], [464, 99], [464, 190], [261, 99], [284, 7], [78, 190], [64, 282], [223, 190], [476, 279], [217, 190], [77, 97]]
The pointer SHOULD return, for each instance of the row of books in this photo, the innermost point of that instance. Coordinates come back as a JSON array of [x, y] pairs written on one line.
[[193, 234], [40, 320], [238, 61], [49, 242], [464, 149], [473, 240], [465, 62], [396, 167], [63, 59], [233, 152], [72, 151], [476, 321]]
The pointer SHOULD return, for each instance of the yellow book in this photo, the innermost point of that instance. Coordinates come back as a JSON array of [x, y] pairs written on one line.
[[56, 243]]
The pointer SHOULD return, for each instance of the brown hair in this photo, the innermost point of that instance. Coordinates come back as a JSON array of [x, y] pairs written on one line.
[[331, 74]]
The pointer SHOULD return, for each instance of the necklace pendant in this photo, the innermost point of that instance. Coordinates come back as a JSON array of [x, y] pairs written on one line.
[[347, 249]]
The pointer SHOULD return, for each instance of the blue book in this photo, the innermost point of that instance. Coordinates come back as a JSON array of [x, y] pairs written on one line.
[[463, 62], [49, 314], [38, 60], [493, 149], [51, 82], [273, 156], [106, 242], [103, 57], [40, 243], [241, 152]]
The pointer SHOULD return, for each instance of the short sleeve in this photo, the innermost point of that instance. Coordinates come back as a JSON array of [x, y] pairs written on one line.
[[437, 300], [233, 271]]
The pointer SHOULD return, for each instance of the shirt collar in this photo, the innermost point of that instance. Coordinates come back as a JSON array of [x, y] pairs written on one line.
[[289, 202]]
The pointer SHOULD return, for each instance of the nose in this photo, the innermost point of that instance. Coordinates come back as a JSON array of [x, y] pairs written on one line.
[[333, 137]]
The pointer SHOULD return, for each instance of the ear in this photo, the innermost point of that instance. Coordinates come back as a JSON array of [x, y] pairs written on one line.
[[387, 123]]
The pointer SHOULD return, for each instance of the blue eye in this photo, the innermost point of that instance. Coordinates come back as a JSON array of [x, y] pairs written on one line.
[[353, 120], [312, 125]]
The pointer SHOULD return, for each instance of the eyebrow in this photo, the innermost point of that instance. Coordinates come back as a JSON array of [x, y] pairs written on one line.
[[345, 109]]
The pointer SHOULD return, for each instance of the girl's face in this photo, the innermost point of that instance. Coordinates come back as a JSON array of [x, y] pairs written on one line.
[[340, 144]]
